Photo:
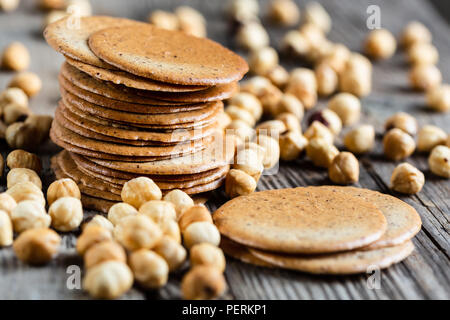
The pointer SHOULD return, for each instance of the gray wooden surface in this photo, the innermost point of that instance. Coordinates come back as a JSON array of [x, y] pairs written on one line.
[[424, 275]]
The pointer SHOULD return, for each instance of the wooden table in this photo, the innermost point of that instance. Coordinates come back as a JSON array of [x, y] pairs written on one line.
[[424, 275]]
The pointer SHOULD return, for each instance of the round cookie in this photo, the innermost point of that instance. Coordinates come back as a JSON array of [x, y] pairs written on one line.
[[96, 204], [240, 252], [301, 220], [352, 262], [167, 56]]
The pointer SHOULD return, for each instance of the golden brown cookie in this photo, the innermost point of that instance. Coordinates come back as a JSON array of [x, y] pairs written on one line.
[[240, 252]]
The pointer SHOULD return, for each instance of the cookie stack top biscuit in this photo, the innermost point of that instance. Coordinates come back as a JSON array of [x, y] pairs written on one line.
[[137, 100]]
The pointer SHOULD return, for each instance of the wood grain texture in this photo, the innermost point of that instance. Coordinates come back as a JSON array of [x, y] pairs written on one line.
[[424, 275]]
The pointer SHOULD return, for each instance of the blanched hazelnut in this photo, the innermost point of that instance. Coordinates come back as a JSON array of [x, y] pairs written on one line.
[[137, 231], [150, 269], [82, 8], [271, 150], [37, 246], [62, 188], [260, 151], [200, 232], [29, 214], [263, 60], [15, 57], [26, 191], [91, 236], [66, 213], [290, 121], [172, 251], [415, 32], [289, 104], [20, 135], [358, 62], [328, 118], [203, 282], [337, 57], [7, 203], [380, 44], [15, 113], [29, 82], [438, 98], [361, 139], [321, 152], [240, 129], [429, 137], [13, 95], [180, 199], [407, 179], [271, 128], [108, 280], [195, 213], [295, 43], [278, 76], [23, 159], [316, 14], [9, 5], [120, 210], [319, 130], [303, 84], [205, 254], [248, 161], [403, 121], [344, 169], [238, 183], [425, 77], [237, 113], [104, 251], [252, 36], [41, 124], [171, 229], [248, 102], [163, 19], [398, 145], [284, 12], [191, 21], [327, 79], [270, 97], [243, 10], [292, 145], [423, 54], [439, 161], [347, 107], [158, 211], [100, 221], [6, 229], [19, 175], [140, 190], [355, 82]]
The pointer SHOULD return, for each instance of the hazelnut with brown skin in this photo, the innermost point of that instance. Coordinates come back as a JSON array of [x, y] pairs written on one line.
[[203, 282], [407, 179], [23, 159], [398, 144], [403, 121], [344, 169]]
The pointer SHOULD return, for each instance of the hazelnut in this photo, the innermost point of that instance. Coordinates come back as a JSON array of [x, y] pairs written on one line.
[[321, 152], [82, 8], [252, 36], [54, 16], [66, 213], [292, 145], [425, 77], [205, 254], [62, 188], [23, 159], [14, 113], [380, 44], [159, 211], [108, 280], [302, 84], [328, 118], [284, 12], [407, 179], [180, 199], [271, 128], [295, 43], [195, 213], [42, 124], [337, 57], [439, 161], [26, 191], [327, 79], [203, 282], [238, 183], [290, 121], [263, 60], [398, 145], [269, 98], [200, 232], [358, 62], [37, 246], [15, 57], [91, 236], [163, 19], [7, 203], [347, 107], [29, 214], [278, 76], [137, 231], [289, 104], [9, 5], [248, 102], [237, 113], [316, 14], [356, 82], [429, 137], [6, 229], [52, 4], [402, 121], [243, 10], [171, 229], [13, 95], [120, 210], [150, 269], [172, 251], [319, 130], [18, 175], [260, 151], [223, 120], [257, 85], [191, 21], [20, 135], [140, 190], [248, 161], [344, 169], [415, 32], [360, 139], [438, 98], [423, 54], [241, 129], [29, 82], [271, 148], [104, 251], [100, 221]]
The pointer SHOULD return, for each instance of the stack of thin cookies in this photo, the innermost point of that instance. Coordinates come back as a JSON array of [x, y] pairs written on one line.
[[140, 101], [321, 230]]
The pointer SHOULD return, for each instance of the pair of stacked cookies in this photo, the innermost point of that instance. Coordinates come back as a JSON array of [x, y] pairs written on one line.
[[140, 101], [322, 230]]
